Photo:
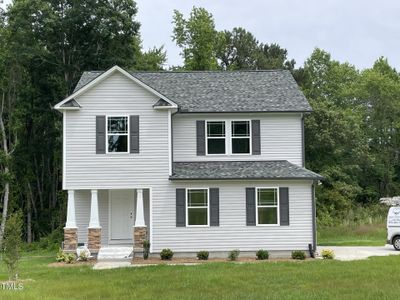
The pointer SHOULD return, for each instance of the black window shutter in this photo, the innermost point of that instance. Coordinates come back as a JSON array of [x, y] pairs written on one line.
[[201, 137], [284, 206], [214, 206], [255, 137], [180, 207], [100, 134], [134, 134], [250, 206]]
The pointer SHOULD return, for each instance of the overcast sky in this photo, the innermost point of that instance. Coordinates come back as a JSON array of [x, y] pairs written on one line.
[[357, 31]]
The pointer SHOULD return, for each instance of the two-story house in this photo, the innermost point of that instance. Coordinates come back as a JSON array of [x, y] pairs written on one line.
[[189, 161]]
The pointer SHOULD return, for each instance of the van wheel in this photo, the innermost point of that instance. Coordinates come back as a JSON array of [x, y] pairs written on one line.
[[396, 243]]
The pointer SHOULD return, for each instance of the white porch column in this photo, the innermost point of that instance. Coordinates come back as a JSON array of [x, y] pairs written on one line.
[[94, 211], [71, 221], [139, 222]]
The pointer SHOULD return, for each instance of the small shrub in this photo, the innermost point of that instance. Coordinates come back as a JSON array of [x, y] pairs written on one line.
[[262, 254], [12, 244], [69, 258], [202, 255], [234, 254], [60, 256], [301, 255], [146, 249], [166, 254], [327, 254], [83, 256]]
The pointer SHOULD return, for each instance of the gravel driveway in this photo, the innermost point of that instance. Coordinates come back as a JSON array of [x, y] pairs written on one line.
[[359, 252]]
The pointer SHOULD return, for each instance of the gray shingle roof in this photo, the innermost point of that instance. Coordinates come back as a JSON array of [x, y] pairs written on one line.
[[223, 91], [224, 170]]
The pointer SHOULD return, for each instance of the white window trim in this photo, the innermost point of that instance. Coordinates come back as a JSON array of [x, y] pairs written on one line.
[[240, 137], [277, 206], [228, 138], [128, 134], [216, 138], [187, 206]]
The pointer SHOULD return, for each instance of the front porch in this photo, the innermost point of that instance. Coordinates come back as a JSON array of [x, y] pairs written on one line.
[[106, 218]]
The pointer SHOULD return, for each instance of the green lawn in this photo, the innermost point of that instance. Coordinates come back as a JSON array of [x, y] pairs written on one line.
[[376, 278], [353, 235]]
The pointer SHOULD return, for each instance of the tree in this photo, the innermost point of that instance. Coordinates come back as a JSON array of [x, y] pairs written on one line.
[[379, 93], [196, 36], [273, 57], [48, 45], [237, 50], [336, 144], [12, 244]]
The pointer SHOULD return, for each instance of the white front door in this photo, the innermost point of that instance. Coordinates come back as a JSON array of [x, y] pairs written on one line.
[[122, 214]]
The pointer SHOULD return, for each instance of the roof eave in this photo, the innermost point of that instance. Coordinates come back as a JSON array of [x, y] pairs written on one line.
[[248, 178]]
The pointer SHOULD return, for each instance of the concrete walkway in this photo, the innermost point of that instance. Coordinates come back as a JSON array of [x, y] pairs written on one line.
[[359, 252], [105, 265]]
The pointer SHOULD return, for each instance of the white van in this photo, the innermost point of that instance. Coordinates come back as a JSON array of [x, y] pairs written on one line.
[[393, 227]]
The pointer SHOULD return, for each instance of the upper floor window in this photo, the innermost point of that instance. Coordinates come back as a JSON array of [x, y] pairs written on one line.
[[267, 202], [197, 207], [216, 137], [117, 134], [240, 137]]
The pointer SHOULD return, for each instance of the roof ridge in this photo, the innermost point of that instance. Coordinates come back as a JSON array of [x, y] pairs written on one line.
[[199, 71]]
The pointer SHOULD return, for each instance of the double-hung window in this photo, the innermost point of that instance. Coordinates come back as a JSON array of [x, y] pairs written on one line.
[[240, 133], [197, 207], [267, 202], [216, 137], [117, 134]]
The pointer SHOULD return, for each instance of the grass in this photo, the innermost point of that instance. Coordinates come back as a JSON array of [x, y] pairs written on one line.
[[376, 278], [353, 235]]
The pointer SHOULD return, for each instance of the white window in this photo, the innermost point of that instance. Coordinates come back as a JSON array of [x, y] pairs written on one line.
[[216, 137], [267, 203], [197, 208], [240, 137], [117, 134]]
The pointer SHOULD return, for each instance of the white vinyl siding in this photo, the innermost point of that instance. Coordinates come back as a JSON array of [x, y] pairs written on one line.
[[116, 96], [232, 232], [281, 137]]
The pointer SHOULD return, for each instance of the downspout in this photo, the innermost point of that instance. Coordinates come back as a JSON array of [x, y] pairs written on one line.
[[172, 141], [303, 150], [314, 216]]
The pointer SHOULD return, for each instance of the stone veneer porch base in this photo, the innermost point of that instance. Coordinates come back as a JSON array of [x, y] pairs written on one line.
[[94, 239], [70, 239], [139, 236]]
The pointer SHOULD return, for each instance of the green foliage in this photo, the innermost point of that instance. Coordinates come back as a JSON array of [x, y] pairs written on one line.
[[60, 257], [68, 258], [234, 254], [12, 244], [83, 256], [166, 254], [300, 255], [327, 254], [203, 255], [262, 254], [196, 36], [146, 249]]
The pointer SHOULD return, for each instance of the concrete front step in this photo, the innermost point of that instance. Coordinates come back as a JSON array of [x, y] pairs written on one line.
[[117, 253]]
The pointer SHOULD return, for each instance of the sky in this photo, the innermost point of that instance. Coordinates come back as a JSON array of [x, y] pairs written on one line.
[[356, 31]]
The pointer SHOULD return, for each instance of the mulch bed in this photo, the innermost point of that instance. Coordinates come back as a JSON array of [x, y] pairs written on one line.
[[74, 264], [179, 260]]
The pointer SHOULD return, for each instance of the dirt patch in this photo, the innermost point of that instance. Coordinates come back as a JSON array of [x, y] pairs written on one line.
[[179, 260], [74, 264]]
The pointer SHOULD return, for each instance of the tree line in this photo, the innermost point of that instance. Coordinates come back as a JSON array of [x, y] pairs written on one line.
[[351, 137]]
